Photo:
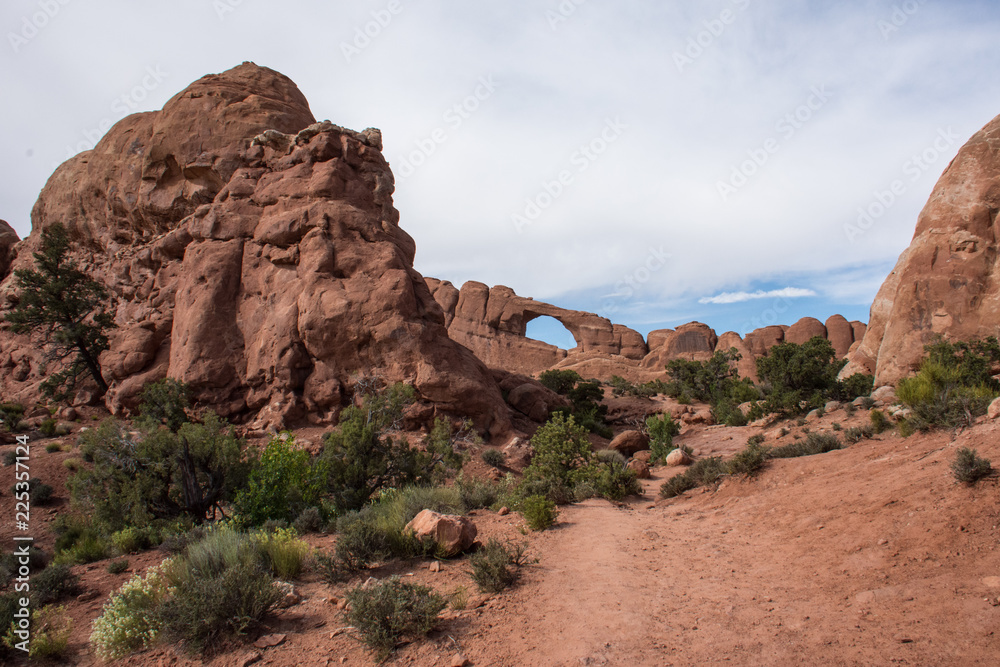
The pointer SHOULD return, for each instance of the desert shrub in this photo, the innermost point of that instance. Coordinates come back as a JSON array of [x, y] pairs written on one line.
[[166, 402], [494, 458], [610, 456], [130, 620], [39, 492], [310, 520], [611, 479], [880, 423], [750, 461], [9, 458], [853, 435], [676, 485], [793, 376], [539, 512], [221, 586], [955, 383], [906, 427], [858, 384], [717, 382], [53, 584], [707, 471], [361, 459], [387, 611], [51, 628], [622, 387], [814, 443], [117, 566], [476, 494], [89, 547], [561, 446], [661, 430], [441, 456], [53, 447], [559, 381], [284, 553], [282, 483], [837, 427], [10, 565], [496, 566], [11, 415], [132, 540], [969, 467], [178, 542], [159, 474], [849, 409]]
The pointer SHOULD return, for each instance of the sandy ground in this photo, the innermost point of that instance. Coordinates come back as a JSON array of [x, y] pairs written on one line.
[[872, 555]]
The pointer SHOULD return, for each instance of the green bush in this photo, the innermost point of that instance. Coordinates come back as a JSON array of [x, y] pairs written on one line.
[[750, 461], [48, 429], [361, 459], [89, 547], [622, 387], [166, 402], [53, 584], [560, 382], [476, 494], [130, 620], [221, 587], [494, 458], [677, 485], [51, 628], [880, 423], [703, 472], [794, 375], [117, 566], [561, 446], [282, 483], [969, 467], [132, 540], [10, 417], [539, 512], [310, 520], [387, 611], [496, 566], [717, 382], [159, 475], [284, 553], [814, 443], [955, 384], [9, 458], [610, 456], [853, 435], [661, 430]]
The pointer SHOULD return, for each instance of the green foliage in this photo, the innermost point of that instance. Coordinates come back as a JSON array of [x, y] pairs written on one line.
[[853, 435], [496, 566], [222, 586], [48, 429], [955, 384], [39, 493], [814, 443], [310, 520], [539, 512], [968, 467], [51, 628], [89, 547], [703, 472], [792, 375], [129, 621], [661, 430], [715, 381], [132, 540], [387, 611], [561, 446], [880, 423], [166, 402], [159, 474], [440, 446], [494, 458], [856, 385], [560, 382], [117, 566], [65, 308], [476, 494], [11, 415], [284, 553], [9, 458], [622, 387], [750, 461], [54, 583], [361, 459], [282, 483]]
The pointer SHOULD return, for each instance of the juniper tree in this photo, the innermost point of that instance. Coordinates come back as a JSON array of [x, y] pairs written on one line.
[[65, 308]]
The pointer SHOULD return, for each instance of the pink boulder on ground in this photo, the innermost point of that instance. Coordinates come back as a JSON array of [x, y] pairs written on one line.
[[629, 442], [678, 457], [453, 534], [640, 468]]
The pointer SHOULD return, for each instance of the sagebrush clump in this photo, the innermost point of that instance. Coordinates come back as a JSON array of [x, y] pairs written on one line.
[[387, 611], [968, 467]]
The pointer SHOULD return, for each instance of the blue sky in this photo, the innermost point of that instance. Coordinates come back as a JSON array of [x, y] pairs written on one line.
[[656, 163]]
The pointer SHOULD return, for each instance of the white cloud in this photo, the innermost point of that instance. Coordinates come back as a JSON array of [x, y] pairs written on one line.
[[740, 297]]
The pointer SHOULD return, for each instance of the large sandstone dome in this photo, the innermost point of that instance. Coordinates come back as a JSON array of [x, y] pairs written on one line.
[[946, 283], [253, 253]]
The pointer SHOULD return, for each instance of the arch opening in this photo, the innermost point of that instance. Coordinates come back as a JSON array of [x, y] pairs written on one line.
[[550, 330]]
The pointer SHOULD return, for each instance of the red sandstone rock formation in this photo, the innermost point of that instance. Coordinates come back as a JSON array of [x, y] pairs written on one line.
[[945, 282], [255, 254], [8, 238]]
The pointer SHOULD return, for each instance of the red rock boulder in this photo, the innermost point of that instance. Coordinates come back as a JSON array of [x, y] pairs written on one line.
[[452, 534]]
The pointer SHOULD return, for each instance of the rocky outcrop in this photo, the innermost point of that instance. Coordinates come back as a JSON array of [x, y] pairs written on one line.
[[8, 239], [694, 342], [946, 282], [256, 255], [451, 534]]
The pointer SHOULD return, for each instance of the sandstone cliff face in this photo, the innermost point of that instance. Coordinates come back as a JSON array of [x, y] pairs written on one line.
[[254, 254], [8, 239], [945, 282]]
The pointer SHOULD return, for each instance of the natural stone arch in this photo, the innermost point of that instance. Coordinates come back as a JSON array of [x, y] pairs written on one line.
[[529, 316]]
